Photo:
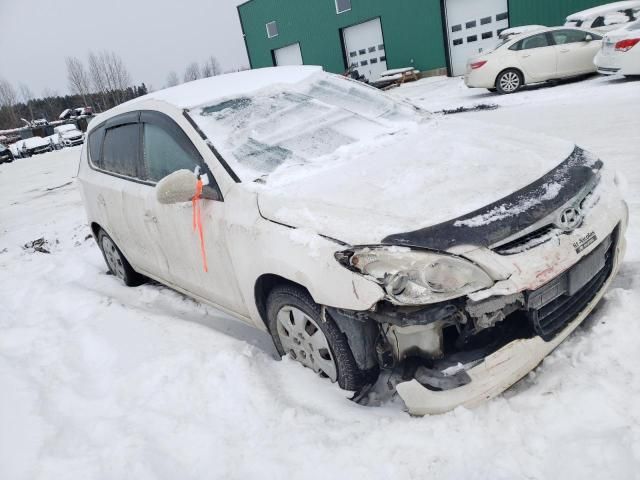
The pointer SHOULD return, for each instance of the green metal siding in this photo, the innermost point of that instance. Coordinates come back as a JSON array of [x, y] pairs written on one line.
[[412, 30], [546, 12]]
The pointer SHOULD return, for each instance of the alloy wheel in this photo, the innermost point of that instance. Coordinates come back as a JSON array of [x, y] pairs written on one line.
[[509, 82]]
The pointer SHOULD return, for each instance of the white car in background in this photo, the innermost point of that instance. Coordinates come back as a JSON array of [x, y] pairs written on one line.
[[69, 135], [358, 231], [620, 52], [33, 146], [539, 56], [605, 17]]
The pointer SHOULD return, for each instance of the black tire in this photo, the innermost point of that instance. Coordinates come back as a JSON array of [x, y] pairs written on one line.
[[509, 81], [349, 376], [116, 261]]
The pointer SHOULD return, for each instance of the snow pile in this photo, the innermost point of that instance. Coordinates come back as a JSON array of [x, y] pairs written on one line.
[[98, 381]]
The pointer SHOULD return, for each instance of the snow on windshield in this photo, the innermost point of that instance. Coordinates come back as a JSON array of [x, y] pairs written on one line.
[[295, 124]]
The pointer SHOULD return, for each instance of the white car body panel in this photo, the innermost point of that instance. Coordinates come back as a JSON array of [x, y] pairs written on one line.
[[610, 61]]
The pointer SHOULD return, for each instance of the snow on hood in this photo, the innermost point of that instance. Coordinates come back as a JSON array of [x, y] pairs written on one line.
[[603, 10], [413, 179]]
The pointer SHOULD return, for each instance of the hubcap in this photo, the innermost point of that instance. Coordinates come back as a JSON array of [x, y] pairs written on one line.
[[303, 340], [114, 261], [509, 82]]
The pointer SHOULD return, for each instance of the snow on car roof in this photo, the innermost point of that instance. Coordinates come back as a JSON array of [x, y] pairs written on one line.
[[210, 89], [603, 10]]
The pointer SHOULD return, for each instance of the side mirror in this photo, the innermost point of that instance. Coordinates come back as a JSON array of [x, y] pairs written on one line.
[[179, 187], [588, 38]]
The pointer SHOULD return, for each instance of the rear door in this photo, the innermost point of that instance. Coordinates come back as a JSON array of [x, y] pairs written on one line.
[[537, 57], [165, 149], [574, 53], [122, 191]]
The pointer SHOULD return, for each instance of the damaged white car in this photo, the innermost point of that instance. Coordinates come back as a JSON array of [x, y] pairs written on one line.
[[386, 249]]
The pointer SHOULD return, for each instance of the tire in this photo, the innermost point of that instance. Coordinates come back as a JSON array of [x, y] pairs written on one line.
[[117, 263], [509, 81], [298, 330]]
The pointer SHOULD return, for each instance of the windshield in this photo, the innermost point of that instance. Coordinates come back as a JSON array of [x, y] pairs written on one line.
[[287, 125]]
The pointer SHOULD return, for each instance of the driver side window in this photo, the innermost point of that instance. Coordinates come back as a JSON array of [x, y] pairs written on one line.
[[163, 154]]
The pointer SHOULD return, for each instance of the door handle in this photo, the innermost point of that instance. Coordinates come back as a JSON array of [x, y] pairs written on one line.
[[149, 217], [564, 50], [526, 55]]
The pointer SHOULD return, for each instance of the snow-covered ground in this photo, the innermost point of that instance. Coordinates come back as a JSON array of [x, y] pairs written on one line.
[[98, 381]]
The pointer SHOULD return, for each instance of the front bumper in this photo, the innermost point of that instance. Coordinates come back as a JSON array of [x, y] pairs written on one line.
[[501, 369]]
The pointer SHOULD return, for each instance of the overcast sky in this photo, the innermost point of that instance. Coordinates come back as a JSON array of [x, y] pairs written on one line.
[[152, 36]]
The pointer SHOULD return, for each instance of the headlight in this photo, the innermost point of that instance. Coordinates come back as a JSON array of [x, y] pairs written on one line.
[[414, 277]]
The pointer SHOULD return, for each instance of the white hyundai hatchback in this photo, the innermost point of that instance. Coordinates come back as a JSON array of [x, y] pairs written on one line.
[[533, 57], [378, 245]]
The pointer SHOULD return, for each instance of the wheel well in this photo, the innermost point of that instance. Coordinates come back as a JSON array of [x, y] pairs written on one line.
[[264, 286], [510, 68], [95, 229]]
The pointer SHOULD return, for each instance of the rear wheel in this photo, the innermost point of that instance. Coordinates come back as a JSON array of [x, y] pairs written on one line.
[[117, 263], [509, 81], [301, 331]]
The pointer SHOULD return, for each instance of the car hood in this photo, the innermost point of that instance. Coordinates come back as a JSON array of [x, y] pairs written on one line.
[[446, 170]]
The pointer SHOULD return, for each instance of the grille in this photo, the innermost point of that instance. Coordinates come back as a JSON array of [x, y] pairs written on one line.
[[533, 239], [555, 305]]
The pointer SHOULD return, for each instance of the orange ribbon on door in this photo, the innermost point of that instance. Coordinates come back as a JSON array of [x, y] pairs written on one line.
[[197, 221]]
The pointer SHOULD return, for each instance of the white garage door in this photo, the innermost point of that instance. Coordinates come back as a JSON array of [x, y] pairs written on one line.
[[473, 26], [290, 55], [364, 47]]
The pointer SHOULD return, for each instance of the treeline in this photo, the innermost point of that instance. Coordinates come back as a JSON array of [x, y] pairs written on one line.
[[101, 82]]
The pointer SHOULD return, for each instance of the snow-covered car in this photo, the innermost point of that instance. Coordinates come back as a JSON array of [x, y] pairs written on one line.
[[33, 146], [620, 52], [69, 135], [54, 141], [546, 54], [363, 234], [5, 154], [606, 17]]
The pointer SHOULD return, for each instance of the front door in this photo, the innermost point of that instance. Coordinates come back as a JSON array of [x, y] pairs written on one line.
[[575, 55], [364, 48], [166, 149], [473, 26]]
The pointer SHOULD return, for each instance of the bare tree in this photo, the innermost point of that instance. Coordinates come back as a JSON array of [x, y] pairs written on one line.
[[78, 78], [8, 99], [109, 76], [26, 95], [172, 79], [211, 67], [192, 72]]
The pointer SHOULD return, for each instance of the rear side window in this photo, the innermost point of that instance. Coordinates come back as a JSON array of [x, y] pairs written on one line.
[[120, 153], [535, 41], [95, 144], [164, 152]]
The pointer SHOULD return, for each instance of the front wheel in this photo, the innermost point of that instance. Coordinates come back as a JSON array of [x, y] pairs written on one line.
[[509, 81], [301, 331]]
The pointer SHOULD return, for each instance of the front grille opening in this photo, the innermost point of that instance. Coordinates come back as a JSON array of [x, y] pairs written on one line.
[[529, 241]]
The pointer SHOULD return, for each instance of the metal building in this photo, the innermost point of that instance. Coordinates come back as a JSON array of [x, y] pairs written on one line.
[[434, 36]]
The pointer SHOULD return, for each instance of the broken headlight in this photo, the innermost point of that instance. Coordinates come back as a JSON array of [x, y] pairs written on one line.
[[413, 277]]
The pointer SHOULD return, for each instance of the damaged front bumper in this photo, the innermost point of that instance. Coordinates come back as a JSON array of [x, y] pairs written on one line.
[[477, 381]]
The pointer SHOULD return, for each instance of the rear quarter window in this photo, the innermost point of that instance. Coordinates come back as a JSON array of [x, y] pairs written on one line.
[[95, 144]]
